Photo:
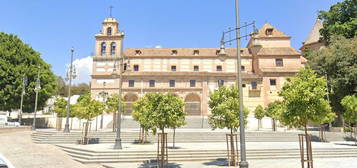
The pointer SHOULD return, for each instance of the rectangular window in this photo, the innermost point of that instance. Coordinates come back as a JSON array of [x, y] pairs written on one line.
[[242, 68], [173, 68], [243, 85], [131, 83], [192, 83], [172, 83], [152, 83], [136, 67], [196, 68], [220, 83], [254, 85], [279, 62], [219, 68], [272, 82]]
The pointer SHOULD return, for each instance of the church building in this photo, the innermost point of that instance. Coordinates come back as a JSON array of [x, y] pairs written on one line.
[[192, 73]]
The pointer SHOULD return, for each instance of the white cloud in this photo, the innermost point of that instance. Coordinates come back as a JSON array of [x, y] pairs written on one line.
[[83, 70], [158, 46]]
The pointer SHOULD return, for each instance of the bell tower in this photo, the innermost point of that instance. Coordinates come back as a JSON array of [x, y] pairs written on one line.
[[109, 39]]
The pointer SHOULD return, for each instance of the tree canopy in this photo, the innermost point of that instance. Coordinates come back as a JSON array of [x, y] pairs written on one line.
[[88, 108], [78, 89], [274, 110], [350, 105], [259, 112], [224, 104], [142, 114], [339, 62], [341, 19], [304, 99], [18, 59]]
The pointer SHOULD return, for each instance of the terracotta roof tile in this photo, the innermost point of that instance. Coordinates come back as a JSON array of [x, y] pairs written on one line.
[[275, 34]]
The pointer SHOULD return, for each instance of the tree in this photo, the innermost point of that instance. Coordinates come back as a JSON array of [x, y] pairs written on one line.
[[179, 117], [341, 19], [88, 108], [60, 108], [304, 100], [259, 114], [165, 109], [224, 104], [350, 105], [338, 62], [112, 104], [142, 114], [274, 111], [18, 59]]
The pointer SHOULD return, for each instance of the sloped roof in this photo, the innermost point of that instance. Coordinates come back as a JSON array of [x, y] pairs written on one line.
[[284, 51], [276, 33], [182, 52], [314, 35]]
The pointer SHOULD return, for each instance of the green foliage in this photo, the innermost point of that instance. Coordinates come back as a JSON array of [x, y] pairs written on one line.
[[304, 99], [79, 89], [350, 105], [275, 109], [18, 59], [60, 107], [339, 60], [341, 19], [259, 112], [112, 103], [224, 104], [88, 108], [166, 111], [142, 114]]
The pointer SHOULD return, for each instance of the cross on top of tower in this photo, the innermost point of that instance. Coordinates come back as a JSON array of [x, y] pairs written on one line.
[[110, 10]]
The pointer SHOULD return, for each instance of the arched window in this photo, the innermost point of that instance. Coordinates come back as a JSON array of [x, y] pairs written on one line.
[[113, 47], [103, 47], [109, 31]]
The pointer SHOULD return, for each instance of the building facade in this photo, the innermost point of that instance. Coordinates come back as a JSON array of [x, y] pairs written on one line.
[[192, 73]]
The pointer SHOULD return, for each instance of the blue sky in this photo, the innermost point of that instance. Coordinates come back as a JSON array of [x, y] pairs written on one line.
[[52, 27]]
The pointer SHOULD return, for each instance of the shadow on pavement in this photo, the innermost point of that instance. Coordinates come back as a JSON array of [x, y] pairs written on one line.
[[217, 162], [154, 164]]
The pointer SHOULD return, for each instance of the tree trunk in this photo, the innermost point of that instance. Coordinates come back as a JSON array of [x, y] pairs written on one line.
[[322, 138], [232, 149], [355, 133], [59, 123], [274, 125], [114, 121], [307, 145], [259, 124], [162, 149], [174, 138], [85, 138]]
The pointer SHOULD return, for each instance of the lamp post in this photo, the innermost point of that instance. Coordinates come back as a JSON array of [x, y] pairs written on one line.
[[117, 144], [243, 162], [104, 95], [37, 89], [24, 83], [71, 74]]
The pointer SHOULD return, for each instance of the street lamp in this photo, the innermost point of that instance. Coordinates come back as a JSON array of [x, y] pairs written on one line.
[[117, 144], [24, 83], [37, 89], [243, 162], [71, 74], [104, 95]]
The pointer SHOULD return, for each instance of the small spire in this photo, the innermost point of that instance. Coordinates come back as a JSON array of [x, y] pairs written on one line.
[[110, 10]]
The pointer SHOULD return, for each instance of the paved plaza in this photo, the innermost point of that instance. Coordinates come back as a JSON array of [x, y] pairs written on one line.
[[20, 149]]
